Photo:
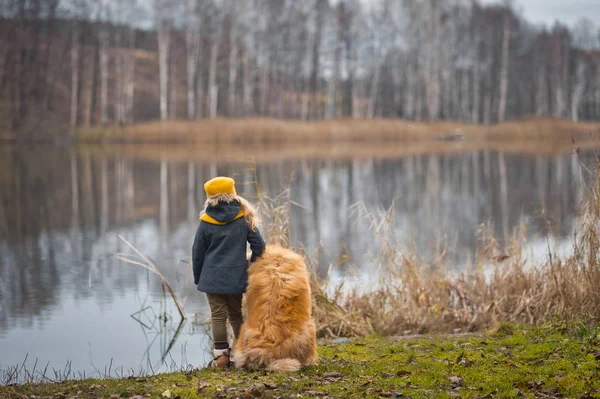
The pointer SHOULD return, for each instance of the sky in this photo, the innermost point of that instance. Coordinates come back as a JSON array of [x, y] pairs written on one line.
[[566, 11]]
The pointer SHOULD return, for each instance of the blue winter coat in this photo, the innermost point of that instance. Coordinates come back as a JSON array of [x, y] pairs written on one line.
[[219, 253]]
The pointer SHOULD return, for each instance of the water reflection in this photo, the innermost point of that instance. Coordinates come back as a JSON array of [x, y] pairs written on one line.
[[61, 211]]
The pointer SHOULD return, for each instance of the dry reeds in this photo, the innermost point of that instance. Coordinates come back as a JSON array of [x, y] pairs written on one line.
[[147, 263], [503, 285], [261, 131]]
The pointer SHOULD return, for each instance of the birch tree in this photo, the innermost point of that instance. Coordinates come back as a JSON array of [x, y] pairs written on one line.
[[162, 16], [504, 69], [192, 42]]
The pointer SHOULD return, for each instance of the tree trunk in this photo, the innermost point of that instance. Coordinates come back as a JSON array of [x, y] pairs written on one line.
[[432, 87], [193, 48], [164, 43], [578, 90], [247, 84], [192, 42], [212, 78], [75, 54], [337, 55], [504, 70], [476, 93], [173, 94], [91, 102], [315, 64], [130, 78], [264, 89], [541, 93], [103, 76], [233, 69], [373, 92]]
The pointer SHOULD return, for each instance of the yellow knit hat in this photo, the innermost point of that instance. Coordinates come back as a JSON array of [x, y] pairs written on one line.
[[220, 185]]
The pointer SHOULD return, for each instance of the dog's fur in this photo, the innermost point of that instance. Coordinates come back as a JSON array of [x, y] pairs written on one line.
[[279, 333]]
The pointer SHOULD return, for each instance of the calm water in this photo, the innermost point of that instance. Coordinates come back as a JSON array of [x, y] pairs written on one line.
[[65, 298]]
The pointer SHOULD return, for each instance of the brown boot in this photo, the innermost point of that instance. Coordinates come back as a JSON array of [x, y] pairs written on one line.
[[221, 360]]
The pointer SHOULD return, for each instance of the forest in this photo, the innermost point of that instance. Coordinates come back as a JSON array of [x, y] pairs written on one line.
[[70, 64]]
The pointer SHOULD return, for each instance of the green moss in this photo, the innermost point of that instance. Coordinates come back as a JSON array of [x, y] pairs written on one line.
[[527, 362]]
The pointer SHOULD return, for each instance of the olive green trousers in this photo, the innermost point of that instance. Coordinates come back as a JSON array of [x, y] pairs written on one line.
[[223, 307]]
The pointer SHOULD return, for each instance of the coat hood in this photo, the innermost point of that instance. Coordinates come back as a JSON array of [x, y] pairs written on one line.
[[223, 213]]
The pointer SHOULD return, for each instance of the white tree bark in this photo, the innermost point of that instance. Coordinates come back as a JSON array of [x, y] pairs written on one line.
[[578, 90], [247, 84], [433, 64], [504, 70], [212, 78], [164, 44], [192, 42], [233, 67]]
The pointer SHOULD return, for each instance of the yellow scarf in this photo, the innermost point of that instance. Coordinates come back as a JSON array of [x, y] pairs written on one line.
[[209, 219]]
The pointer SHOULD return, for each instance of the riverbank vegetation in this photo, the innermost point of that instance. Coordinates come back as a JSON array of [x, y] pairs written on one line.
[[547, 361], [503, 284], [263, 131]]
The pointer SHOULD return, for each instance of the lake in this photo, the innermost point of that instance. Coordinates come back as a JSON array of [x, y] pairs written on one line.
[[66, 303]]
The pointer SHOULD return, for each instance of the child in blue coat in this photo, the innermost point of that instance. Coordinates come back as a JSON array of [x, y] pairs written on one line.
[[220, 265]]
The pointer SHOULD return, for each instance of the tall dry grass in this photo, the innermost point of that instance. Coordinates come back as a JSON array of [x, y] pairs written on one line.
[[502, 284], [261, 131]]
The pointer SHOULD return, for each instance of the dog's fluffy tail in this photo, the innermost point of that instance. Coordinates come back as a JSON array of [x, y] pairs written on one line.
[[284, 365]]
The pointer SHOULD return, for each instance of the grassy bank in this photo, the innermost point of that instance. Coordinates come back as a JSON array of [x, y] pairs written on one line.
[[253, 131], [529, 362]]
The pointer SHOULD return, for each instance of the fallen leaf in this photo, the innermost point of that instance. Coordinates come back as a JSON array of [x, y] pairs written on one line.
[[167, 393], [136, 397], [463, 361], [535, 384], [335, 374], [402, 373], [596, 354], [202, 385], [456, 380], [386, 394], [254, 392], [270, 385], [116, 395], [364, 384], [312, 393]]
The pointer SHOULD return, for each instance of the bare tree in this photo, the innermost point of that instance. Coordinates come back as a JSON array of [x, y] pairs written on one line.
[[504, 69], [233, 57], [163, 28], [578, 90], [192, 42]]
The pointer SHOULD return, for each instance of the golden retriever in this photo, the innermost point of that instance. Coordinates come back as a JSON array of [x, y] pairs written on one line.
[[279, 333]]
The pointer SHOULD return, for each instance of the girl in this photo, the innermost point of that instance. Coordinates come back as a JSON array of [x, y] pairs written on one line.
[[220, 264]]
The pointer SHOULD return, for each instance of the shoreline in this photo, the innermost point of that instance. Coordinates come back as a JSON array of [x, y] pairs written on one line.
[[545, 361], [261, 131]]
